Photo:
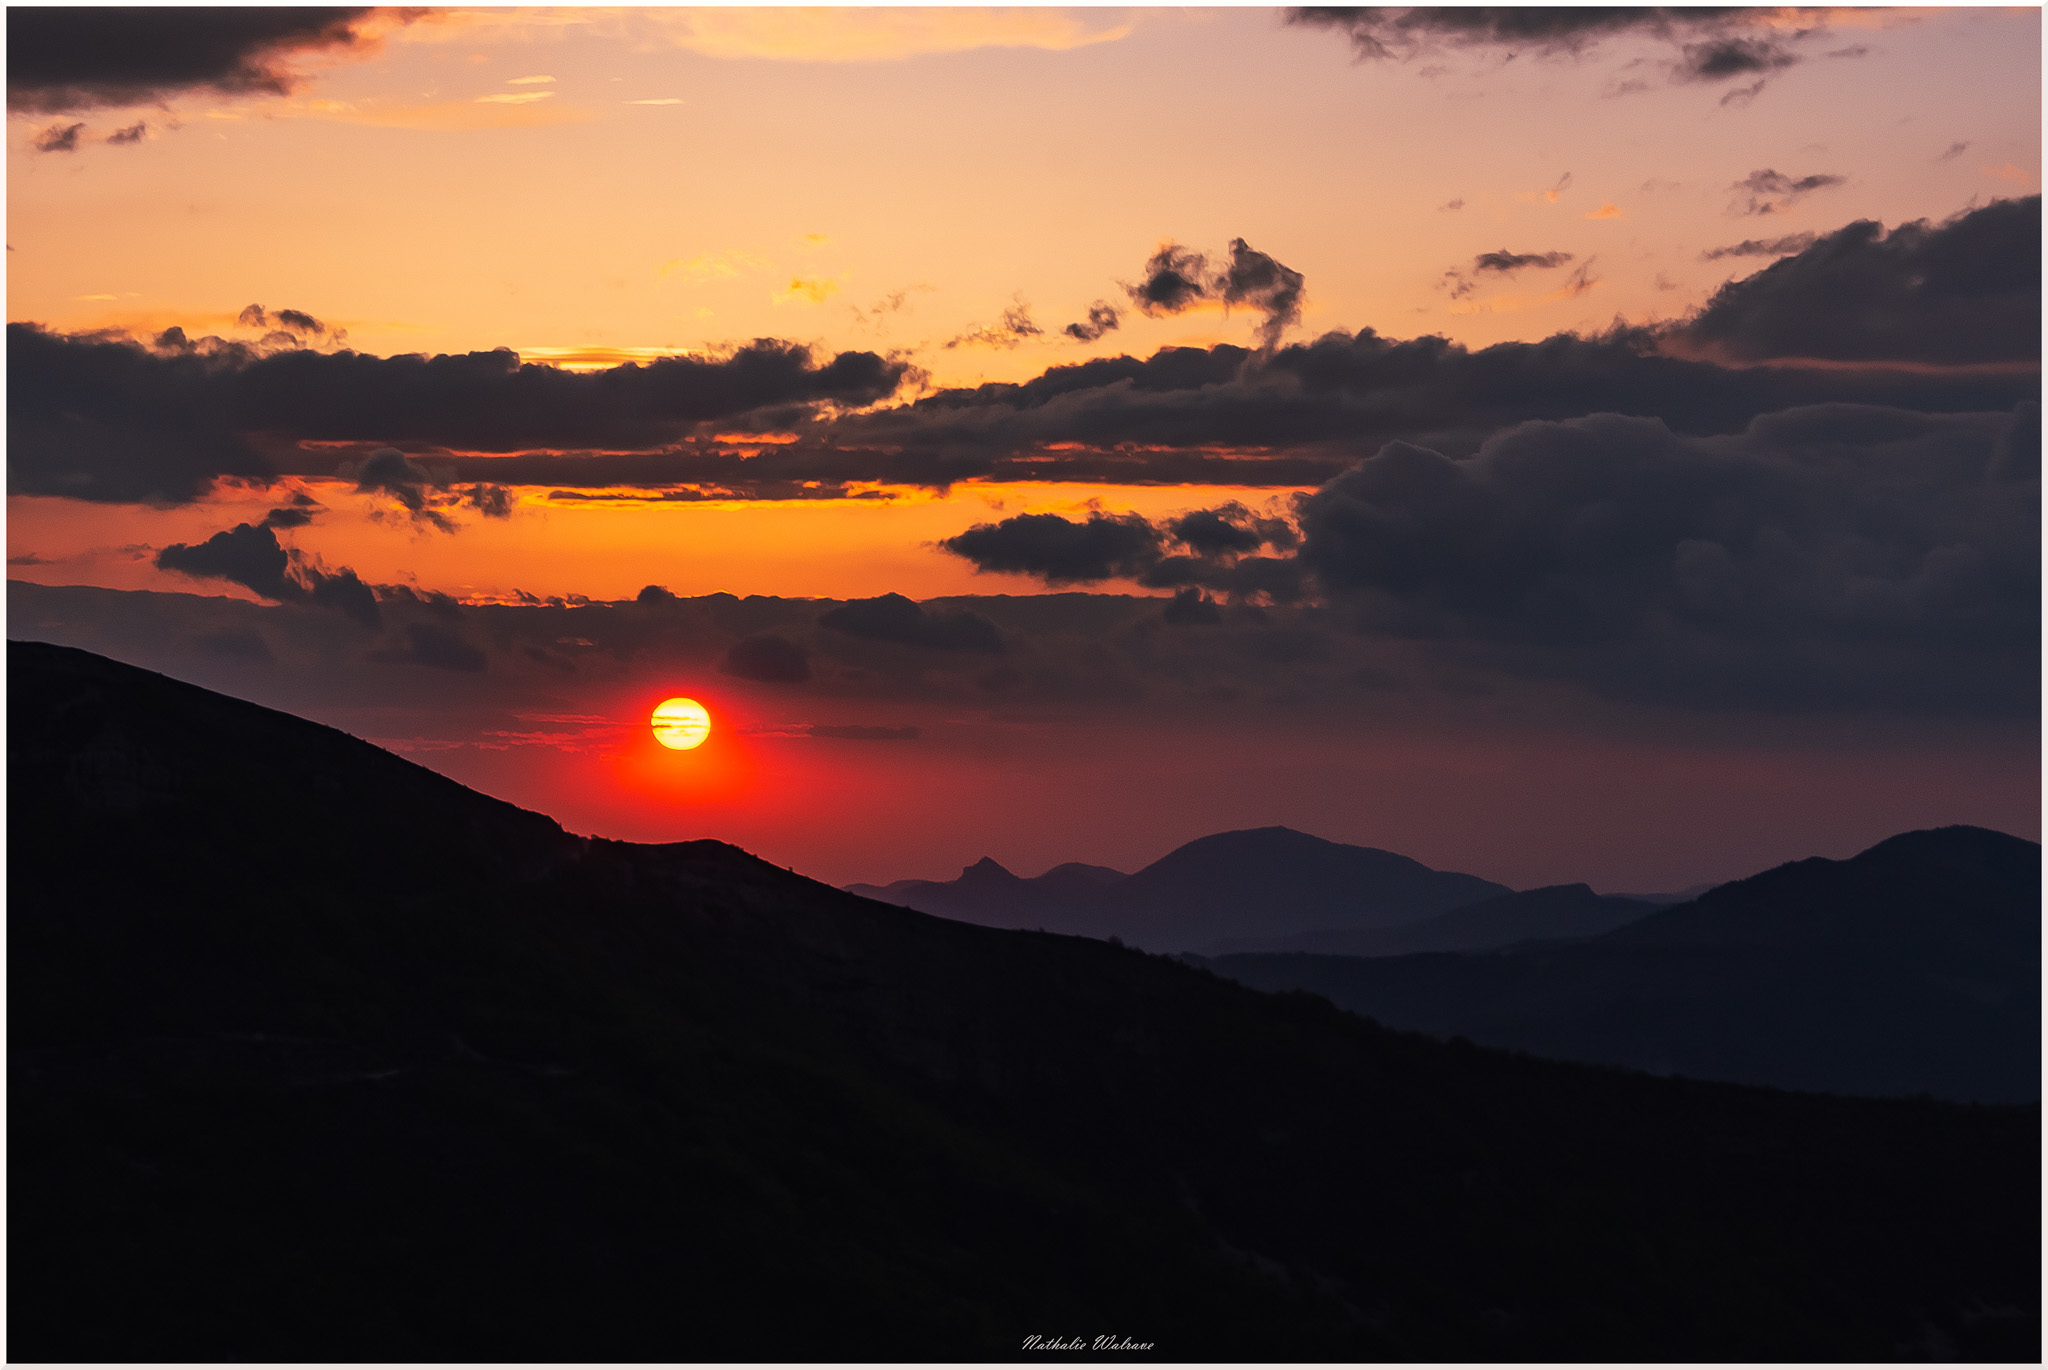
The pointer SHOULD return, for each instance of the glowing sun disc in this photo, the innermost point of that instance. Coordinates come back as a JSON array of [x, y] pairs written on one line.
[[680, 724]]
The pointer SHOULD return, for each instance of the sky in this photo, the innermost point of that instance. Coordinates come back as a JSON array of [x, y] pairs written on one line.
[[1554, 445]]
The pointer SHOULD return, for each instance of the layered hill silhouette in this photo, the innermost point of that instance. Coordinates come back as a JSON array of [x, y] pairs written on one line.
[[1912, 968], [1262, 882], [316, 1055]]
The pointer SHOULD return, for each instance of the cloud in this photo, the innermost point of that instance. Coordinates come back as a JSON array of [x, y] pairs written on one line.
[[1713, 43], [769, 658], [104, 418], [57, 137], [1016, 327], [61, 59], [1955, 150], [1608, 210], [131, 134], [1452, 205], [389, 471], [1219, 545], [1962, 292], [1507, 263], [1761, 247], [429, 644], [1059, 551], [293, 321], [1102, 318], [1823, 555], [1723, 59], [1773, 192], [894, 619], [524, 97], [1258, 280], [492, 501], [250, 555], [1177, 279]]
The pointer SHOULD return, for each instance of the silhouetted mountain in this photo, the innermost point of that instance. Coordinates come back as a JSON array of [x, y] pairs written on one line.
[[1552, 912], [316, 1055], [1067, 898], [1262, 882], [1912, 968]]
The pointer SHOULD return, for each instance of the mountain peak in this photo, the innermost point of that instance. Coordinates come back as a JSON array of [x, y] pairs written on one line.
[[988, 871]]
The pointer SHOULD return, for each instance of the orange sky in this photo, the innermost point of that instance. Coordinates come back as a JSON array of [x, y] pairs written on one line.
[[812, 171], [951, 189]]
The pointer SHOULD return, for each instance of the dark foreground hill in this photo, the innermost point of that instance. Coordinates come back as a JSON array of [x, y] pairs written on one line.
[[1913, 968], [1257, 883], [316, 1055]]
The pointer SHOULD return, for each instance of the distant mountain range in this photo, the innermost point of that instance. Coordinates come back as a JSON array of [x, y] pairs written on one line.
[[1262, 882], [317, 1055], [1912, 968]]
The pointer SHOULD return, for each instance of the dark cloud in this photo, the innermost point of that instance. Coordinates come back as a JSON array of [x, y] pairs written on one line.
[[131, 134], [1177, 279], [1306, 411], [1255, 279], [1015, 327], [769, 658], [1773, 192], [1507, 263], [1059, 551], [288, 517], [247, 554], [892, 618], [63, 58], [492, 501], [1102, 318], [57, 137], [1761, 247], [861, 732], [1452, 205], [1379, 34], [104, 418], [1722, 59], [1714, 43], [1960, 292], [1102, 547], [429, 644], [1955, 150], [1210, 531], [250, 555], [284, 320], [389, 471], [1825, 555]]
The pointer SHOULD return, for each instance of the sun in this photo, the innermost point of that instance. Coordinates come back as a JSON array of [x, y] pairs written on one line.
[[680, 724]]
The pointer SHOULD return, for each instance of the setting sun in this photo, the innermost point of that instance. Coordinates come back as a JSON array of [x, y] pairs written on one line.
[[680, 724]]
